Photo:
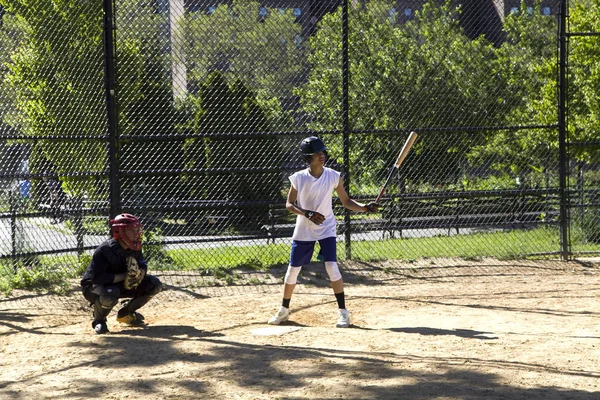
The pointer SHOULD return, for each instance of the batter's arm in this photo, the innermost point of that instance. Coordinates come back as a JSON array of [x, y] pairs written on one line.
[[350, 203]]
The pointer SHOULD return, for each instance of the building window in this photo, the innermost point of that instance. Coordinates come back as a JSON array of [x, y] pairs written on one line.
[[530, 10], [546, 11], [408, 13], [393, 14], [282, 10], [212, 9], [297, 12], [514, 10]]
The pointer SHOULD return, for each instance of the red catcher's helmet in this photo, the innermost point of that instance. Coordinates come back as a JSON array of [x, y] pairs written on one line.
[[127, 229]]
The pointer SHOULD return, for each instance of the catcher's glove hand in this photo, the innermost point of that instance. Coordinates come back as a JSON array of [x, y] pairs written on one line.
[[134, 274]]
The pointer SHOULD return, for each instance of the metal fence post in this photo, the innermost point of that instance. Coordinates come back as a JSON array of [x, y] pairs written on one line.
[[111, 108], [562, 133], [78, 222], [13, 227], [346, 124]]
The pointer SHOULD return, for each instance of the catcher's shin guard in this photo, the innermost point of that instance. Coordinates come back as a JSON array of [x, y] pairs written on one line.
[[105, 301]]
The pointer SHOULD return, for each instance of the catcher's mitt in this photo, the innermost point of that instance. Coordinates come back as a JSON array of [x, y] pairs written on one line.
[[134, 274]]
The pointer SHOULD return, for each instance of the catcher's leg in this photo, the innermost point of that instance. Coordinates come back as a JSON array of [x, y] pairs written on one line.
[[106, 298], [148, 288], [103, 299]]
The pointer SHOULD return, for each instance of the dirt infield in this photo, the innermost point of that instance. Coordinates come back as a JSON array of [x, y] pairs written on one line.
[[478, 330]]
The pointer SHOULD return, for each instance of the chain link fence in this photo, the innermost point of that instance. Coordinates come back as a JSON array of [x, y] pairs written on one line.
[[189, 114]]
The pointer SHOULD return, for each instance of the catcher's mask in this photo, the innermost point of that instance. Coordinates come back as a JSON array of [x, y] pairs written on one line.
[[311, 146], [128, 229]]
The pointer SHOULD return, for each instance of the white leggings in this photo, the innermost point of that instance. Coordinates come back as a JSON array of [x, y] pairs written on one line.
[[291, 276]]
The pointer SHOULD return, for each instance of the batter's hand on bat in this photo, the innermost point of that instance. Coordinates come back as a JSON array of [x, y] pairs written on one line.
[[372, 207], [315, 217]]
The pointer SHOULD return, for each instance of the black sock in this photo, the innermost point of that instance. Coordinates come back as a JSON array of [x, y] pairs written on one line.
[[286, 303], [341, 300]]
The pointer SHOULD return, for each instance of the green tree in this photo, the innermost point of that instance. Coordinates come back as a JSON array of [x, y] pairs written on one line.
[[146, 104], [423, 73], [240, 70], [55, 74], [267, 55], [527, 62], [584, 81], [238, 167], [10, 37]]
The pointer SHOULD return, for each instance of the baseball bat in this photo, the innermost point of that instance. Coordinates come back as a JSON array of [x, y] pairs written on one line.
[[401, 156]]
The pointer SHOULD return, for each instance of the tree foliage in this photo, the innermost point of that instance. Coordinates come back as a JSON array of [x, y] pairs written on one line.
[[242, 70], [427, 73], [55, 74], [424, 73], [221, 108], [584, 81], [10, 38], [146, 103], [527, 61], [266, 54]]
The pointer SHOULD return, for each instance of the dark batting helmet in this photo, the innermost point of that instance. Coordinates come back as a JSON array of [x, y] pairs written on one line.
[[128, 229], [310, 146]]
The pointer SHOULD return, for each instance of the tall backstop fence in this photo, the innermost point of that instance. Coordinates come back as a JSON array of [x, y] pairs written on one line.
[[189, 114]]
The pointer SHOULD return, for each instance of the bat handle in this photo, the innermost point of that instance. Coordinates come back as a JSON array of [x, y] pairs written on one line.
[[385, 185], [380, 195]]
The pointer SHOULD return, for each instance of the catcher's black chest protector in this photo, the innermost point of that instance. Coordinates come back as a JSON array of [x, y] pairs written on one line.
[[116, 256]]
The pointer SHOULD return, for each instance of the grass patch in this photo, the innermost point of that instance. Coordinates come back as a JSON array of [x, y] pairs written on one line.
[[49, 274], [91, 225], [211, 260], [219, 264], [502, 245]]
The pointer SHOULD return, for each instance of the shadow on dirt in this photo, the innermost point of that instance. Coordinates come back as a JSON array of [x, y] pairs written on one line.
[[179, 332], [220, 367], [464, 333], [17, 322], [520, 294]]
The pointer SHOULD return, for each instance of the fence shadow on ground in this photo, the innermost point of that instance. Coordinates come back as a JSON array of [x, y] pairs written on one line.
[[257, 368]]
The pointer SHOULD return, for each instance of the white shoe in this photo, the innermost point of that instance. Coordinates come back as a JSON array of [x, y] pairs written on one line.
[[282, 315], [343, 319]]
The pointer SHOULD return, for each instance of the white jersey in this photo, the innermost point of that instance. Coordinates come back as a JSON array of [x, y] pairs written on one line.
[[315, 194]]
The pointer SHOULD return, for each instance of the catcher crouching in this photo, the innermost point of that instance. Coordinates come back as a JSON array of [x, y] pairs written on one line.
[[118, 270]]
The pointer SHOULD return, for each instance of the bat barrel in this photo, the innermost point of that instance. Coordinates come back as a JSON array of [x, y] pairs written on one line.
[[403, 153]]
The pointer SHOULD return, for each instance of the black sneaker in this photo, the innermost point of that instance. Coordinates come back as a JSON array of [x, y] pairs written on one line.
[[100, 327]]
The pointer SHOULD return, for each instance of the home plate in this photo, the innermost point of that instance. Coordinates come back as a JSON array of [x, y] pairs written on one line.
[[275, 330]]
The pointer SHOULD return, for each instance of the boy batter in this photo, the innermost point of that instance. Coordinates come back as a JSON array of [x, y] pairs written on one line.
[[310, 197]]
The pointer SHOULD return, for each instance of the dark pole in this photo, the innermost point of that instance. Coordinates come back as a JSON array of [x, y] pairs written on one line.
[[346, 124], [562, 133], [13, 227], [111, 108]]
